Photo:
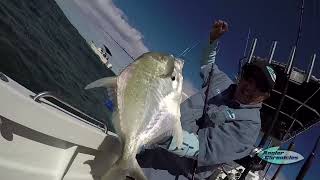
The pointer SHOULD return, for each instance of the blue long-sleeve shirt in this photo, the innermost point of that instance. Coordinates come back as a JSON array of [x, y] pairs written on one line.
[[230, 134]]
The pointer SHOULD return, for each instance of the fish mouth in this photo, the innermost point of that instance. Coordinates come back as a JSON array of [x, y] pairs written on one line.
[[178, 64], [181, 62]]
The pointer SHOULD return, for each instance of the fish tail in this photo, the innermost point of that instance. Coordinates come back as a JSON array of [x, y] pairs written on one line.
[[124, 168]]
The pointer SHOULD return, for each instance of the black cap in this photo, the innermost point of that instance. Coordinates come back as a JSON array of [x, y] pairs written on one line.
[[262, 73]]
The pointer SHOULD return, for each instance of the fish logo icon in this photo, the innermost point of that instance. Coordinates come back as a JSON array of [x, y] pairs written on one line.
[[275, 156]]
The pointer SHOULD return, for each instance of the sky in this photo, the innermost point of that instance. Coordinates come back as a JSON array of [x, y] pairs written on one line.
[[171, 26]]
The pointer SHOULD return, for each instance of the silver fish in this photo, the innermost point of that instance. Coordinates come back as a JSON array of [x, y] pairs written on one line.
[[149, 93]]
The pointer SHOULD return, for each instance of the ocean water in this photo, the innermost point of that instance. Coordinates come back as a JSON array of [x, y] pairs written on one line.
[[40, 49]]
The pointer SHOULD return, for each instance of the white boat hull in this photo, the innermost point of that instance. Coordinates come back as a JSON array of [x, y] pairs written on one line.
[[39, 141]]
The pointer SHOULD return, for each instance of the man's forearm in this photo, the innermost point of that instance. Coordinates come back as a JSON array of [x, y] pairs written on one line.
[[210, 53]]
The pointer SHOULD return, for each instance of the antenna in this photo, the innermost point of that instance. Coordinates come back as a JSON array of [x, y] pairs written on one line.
[[253, 47], [313, 59], [290, 61], [273, 48]]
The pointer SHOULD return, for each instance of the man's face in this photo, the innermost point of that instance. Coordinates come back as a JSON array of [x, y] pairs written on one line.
[[248, 93]]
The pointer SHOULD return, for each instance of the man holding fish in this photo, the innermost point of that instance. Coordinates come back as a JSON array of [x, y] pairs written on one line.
[[228, 130], [164, 137]]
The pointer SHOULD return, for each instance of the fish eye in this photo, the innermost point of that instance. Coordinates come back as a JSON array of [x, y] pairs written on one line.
[[173, 78]]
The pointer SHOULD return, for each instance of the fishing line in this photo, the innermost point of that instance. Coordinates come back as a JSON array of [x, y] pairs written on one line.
[[119, 45], [188, 49]]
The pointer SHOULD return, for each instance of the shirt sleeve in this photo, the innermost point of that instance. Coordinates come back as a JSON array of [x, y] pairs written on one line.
[[210, 52], [219, 80], [228, 141]]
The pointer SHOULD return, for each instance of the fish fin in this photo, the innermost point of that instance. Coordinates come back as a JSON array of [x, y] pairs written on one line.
[[123, 168], [108, 82], [177, 133]]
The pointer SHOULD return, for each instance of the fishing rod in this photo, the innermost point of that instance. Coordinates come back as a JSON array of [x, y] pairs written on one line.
[[288, 73], [204, 113], [204, 110]]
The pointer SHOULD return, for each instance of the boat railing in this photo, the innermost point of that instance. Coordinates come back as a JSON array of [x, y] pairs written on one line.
[[74, 111], [291, 115], [302, 104]]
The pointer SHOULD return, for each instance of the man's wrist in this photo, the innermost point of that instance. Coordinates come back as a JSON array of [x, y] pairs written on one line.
[[189, 147]]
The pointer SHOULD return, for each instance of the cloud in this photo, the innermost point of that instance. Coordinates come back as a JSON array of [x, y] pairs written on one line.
[[105, 15]]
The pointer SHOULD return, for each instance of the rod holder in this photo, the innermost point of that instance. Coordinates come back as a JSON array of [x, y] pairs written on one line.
[[311, 65], [291, 58], [253, 47], [273, 48]]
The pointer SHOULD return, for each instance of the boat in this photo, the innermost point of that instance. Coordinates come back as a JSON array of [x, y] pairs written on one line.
[[103, 53]]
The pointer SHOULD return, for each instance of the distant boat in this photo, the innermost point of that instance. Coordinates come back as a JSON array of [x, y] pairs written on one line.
[[104, 54]]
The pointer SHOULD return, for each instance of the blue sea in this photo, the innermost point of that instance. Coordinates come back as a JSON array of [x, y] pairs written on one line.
[[41, 50]]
